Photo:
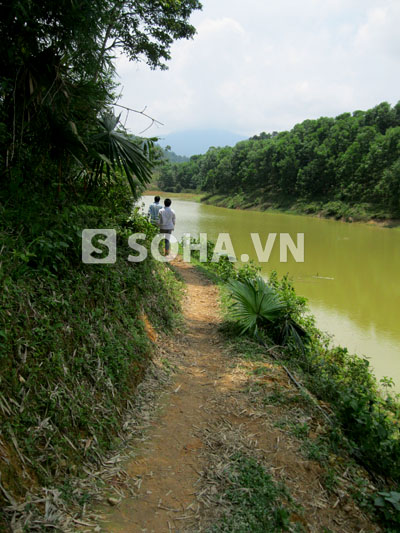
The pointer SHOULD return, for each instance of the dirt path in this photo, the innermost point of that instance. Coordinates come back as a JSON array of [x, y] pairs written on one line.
[[169, 467], [204, 409]]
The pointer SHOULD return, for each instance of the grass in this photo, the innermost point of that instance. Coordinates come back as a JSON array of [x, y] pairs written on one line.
[[75, 344], [331, 209], [317, 440], [257, 503], [192, 196]]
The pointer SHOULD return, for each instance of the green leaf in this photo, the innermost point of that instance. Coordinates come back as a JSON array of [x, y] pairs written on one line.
[[117, 150], [254, 302]]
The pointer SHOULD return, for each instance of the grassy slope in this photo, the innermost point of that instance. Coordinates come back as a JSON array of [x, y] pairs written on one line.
[[74, 346], [337, 210]]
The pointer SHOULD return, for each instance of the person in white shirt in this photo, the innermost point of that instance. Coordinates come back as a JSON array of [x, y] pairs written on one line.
[[166, 222]]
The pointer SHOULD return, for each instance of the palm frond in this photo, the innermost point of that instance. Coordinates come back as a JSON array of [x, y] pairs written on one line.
[[119, 151], [292, 332], [254, 303]]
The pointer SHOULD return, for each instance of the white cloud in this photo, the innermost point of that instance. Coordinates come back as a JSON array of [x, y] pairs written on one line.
[[257, 65], [380, 33], [225, 25]]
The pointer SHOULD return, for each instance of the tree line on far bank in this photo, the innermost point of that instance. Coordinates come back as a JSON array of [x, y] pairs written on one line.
[[353, 158]]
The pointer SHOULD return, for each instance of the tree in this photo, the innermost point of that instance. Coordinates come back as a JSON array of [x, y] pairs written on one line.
[[57, 72], [351, 158]]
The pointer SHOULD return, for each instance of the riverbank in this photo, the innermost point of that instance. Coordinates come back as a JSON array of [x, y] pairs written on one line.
[[216, 416], [362, 418], [350, 273], [189, 196], [330, 210], [233, 444], [339, 211]]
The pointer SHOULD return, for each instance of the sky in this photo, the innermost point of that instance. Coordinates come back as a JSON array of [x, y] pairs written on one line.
[[263, 65]]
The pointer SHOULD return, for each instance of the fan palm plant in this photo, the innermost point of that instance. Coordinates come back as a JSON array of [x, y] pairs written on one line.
[[114, 150], [257, 306], [290, 332]]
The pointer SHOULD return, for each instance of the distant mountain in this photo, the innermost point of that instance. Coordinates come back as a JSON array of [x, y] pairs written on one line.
[[175, 158], [192, 142]]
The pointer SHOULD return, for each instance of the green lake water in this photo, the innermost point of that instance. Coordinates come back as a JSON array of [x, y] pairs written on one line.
[[350, 273]]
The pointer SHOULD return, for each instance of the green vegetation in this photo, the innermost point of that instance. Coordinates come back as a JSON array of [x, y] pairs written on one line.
[[346, 166], [363, 418], [255, 304], [57, 86], [73, 337], [258, 503], [173, 157], [74, 340], [257, 308]]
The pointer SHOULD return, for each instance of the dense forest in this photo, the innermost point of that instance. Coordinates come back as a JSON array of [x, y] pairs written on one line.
[[352, 159]]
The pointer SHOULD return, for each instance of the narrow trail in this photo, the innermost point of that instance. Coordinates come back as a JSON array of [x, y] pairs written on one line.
[[205, 403], [169, 467]]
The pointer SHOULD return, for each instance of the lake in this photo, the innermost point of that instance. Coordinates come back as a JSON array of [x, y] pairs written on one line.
[[350, 274]]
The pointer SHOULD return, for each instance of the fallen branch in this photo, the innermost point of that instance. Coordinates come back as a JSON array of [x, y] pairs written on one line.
[[294, 380]]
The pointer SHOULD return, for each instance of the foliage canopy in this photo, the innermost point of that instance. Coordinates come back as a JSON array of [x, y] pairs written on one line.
[[56, 70], [350, 159]]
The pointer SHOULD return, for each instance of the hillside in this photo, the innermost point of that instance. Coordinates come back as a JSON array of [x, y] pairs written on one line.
[[190, 142], [348, 166]]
